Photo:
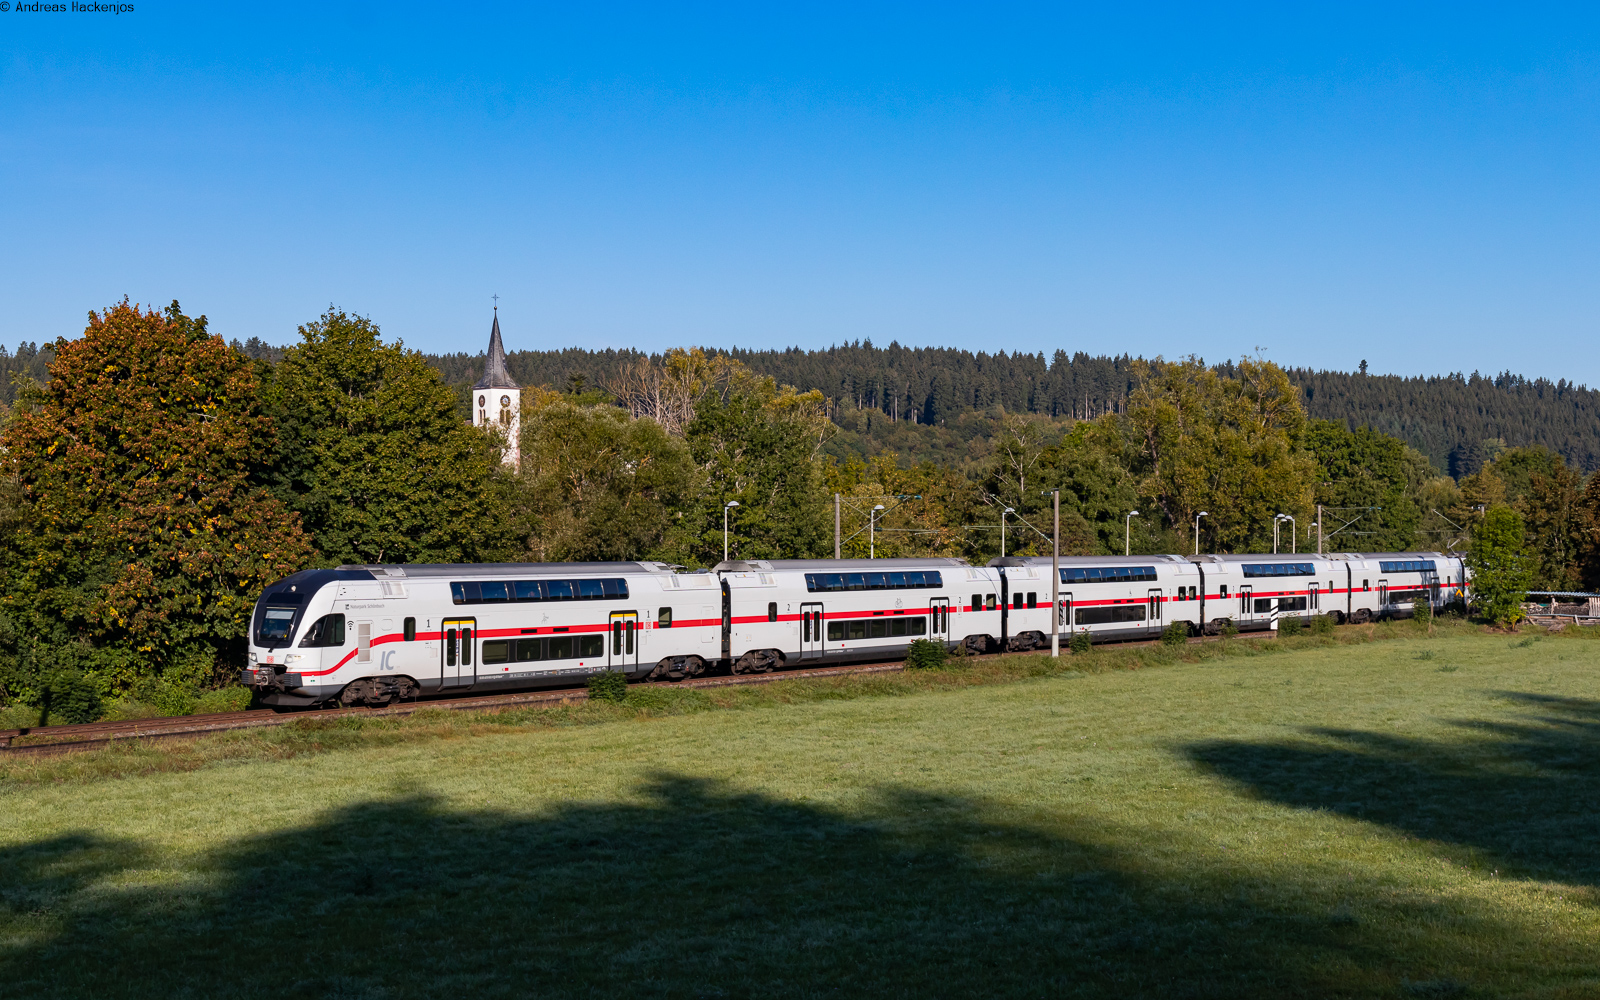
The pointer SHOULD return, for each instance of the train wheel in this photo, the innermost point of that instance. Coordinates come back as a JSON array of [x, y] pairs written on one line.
[[353, 694]]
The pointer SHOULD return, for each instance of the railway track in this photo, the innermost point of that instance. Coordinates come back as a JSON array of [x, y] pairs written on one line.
[[54, 740]]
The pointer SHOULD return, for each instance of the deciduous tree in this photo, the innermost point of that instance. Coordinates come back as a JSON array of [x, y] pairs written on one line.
[[1501, 569], [140, 542], [375, 456]]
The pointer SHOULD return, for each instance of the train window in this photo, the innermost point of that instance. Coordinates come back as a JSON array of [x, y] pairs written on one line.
[[466, 647], [410, 630], [528, 650], [835, 631], [628, 632], [1107, 574], [275, 626], [772, 611], [494, 591], [591, 645], [464, 593], [616, 638], [449, 647], [558, 590], [560, 648], [325, 631], [615, 588], [591, 590], [916, 626], [977, 602], [910, 580], [988, 602], [527, 590], [664, 618], [1222, 592], [1114, 615], [1365, 585], [1033, 599], [498, 651], [856, 629]]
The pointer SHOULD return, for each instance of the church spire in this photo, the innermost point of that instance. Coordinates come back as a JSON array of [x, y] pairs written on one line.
[[495, 375]]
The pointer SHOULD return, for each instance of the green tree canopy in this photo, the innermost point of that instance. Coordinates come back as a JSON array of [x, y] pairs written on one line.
[[141, 541], [1363, 469], [596, 484], [1501, 569], [1232, 447], [375, 456]]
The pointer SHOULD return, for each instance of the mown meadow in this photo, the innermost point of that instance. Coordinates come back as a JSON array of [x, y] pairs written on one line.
[[1382, 813]]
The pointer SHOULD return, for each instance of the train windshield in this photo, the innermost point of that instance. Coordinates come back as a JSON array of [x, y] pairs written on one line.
[[275, 626]]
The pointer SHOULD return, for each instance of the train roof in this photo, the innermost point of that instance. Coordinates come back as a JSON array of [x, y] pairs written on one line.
[[1086, 560], [468, 571], [835, 565]]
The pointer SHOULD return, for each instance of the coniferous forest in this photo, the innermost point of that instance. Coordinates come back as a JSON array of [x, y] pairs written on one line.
[[157, 475], [1458, 421]]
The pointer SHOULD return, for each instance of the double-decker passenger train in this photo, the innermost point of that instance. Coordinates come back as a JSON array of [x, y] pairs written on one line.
[[372, 634]]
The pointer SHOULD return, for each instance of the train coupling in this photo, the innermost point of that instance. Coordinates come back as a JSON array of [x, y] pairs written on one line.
[[266, 677]]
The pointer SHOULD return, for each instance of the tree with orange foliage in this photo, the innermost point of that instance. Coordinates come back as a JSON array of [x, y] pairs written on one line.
[[141, 541]]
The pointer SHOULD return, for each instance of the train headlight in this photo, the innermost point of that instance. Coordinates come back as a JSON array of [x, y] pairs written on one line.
[[252, 657], [292, 658]]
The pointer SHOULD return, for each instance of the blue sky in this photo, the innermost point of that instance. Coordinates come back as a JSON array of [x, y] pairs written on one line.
[[1415, 187]]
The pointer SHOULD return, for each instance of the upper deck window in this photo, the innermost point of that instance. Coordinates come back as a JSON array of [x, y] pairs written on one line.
[[526, 591], [1407, 566], [1279, 569], [909, 580], [1108, 574]]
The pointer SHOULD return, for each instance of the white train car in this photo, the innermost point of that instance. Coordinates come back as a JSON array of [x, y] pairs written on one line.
[[1110, 597], [370, 634], [789, 612], [1255, 590], [1388, 584]]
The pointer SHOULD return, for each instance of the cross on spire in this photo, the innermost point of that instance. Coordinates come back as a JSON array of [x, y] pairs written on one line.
[[496, 302]]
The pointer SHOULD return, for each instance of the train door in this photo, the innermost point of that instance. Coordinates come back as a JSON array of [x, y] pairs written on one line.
[[1383, 595], [1064, 614], [458, 669], [1313, 599], [1005, 609], [939, 619], [622, 652], [727, 621], [811, 641], [1247, 604], [1155, 610]]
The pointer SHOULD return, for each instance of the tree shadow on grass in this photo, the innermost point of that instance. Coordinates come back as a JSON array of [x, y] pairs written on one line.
[[694, 891], [1522, 792]]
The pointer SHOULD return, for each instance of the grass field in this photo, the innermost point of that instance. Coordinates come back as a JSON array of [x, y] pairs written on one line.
[[1407, 818]]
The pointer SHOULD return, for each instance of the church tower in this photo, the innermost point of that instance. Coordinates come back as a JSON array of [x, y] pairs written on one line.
[[497, 400]]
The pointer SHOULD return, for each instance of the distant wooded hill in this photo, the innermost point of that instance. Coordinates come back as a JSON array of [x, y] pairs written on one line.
[[1458, 421], [948, 396]]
